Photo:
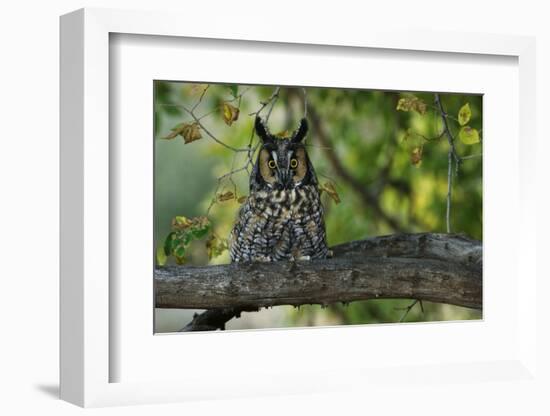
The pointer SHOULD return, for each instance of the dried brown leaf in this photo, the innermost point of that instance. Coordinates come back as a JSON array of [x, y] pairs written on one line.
[[416, 156], [190, 132], [412, 104], [225, 196]]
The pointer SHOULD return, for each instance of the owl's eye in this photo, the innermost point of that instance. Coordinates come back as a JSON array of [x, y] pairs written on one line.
[[293, 163], [271, 164]]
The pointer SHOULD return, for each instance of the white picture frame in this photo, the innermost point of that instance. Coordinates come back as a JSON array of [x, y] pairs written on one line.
[[87, 302]]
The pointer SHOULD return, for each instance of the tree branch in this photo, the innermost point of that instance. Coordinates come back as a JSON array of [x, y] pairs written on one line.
[[433, 267]]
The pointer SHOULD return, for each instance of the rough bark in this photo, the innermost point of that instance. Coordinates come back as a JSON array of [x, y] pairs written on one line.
[[444, 268]]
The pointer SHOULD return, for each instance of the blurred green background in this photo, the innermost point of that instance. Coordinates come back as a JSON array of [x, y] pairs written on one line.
[[388, 166]]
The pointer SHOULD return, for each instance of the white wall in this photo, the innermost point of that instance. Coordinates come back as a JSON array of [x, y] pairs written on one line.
[[29, 178]]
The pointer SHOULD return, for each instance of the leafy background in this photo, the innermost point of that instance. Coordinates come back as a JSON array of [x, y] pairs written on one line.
[[381, 154]]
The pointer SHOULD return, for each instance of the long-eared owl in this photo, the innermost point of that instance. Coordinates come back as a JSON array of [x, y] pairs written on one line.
[[282, 218]]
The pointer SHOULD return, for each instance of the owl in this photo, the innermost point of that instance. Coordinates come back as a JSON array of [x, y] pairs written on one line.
[[282, 218]]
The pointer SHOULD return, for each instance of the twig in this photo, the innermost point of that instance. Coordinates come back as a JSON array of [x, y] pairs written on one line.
[[435, 107], [452, 155], [274, 94], [449, 190], [407, 309], [199, 101], [273, 101], [217, 109], [220, 179], [197, 120], [209, 113], [428, 139]]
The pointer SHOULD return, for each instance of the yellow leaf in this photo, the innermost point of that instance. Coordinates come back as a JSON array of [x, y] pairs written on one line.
[[230, 113], [412, 104], [464, 114], [329, 188], [468, 135], [161, 256], [180, 222], [226, 196]]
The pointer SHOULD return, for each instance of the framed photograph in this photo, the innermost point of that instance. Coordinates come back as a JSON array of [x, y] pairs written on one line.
[[269, 214]]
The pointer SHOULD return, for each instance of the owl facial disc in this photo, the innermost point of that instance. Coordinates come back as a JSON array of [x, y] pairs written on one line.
[[282, 162]]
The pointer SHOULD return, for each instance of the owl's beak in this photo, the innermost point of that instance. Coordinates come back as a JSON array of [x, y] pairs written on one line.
[[285, 179]]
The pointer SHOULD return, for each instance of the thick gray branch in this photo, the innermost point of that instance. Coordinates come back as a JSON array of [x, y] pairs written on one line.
[[442, 268]]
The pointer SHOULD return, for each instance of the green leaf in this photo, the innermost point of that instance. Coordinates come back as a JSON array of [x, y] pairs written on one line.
[[180, 251], [468, 135], [184, 231], [234, 90], [200, 233], [464, 114], [168, 243], [180, 239], [161, 256]]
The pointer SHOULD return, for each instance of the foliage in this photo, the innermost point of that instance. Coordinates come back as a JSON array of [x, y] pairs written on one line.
[[184, 230]]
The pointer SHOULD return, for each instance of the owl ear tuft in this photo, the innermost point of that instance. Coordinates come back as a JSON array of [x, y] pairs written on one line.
[[301, 132], [261, 130]]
